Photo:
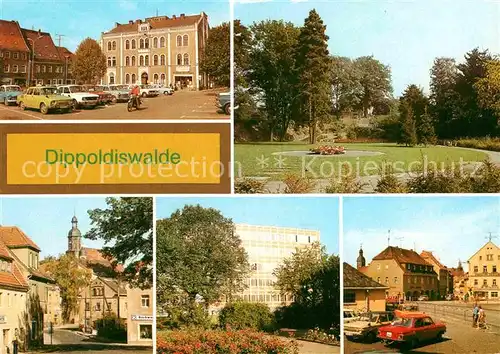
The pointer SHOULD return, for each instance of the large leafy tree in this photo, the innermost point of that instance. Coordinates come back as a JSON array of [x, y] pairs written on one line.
[[313, 67], [346, 86], [272, 71], [444, 97], [200, 258], [408, 125], [71, 279], [126, 227], [375, 81], [488, 88], [313, 278], [215, 60], [89, 65], [413, 112]]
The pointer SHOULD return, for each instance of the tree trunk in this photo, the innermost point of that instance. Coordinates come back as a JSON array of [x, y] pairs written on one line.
[[271, 134], [312, 124]]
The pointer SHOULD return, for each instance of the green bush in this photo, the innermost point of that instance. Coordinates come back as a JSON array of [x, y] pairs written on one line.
[[249, 186], [492, 144], [390, 183], [111, 327], [246, 315], [185, 316]]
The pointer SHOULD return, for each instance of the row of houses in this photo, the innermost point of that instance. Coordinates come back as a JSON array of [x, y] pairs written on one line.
[[29, 57], [397, 274], [30, 299]]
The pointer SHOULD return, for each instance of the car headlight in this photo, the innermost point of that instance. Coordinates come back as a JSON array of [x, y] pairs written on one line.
[[52, 103]]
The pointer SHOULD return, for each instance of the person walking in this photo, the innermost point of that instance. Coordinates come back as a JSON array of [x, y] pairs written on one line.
[[481, 320], [475, 315], [15, 342]]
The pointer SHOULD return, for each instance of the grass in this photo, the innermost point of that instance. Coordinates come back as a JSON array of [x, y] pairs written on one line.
[[406, 159]]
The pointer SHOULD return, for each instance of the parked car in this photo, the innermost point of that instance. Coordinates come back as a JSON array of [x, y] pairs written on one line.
[[164, 90], [423, 298], [120, 93], [411, 328], [366, 327], [224, 102], [350, 315], [104, 97], [44, 98], [79, 96], [148, 91], [9, 93]]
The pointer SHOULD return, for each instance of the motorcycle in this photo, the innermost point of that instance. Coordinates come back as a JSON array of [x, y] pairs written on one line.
[[133, 102]]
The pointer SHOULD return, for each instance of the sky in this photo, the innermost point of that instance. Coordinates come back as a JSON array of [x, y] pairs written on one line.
[[79, 19], [47, 220], [406, 35], [317, 213], [452, 228]]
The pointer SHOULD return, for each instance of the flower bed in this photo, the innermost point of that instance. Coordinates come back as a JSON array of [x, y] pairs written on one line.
[[328, 150], [221, 342], [319, 336]]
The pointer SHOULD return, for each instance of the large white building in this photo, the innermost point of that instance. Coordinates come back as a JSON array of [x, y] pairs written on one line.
[[158, 49]]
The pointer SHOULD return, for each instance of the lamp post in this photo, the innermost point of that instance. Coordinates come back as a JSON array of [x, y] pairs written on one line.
[[66, 70], [32, 64]]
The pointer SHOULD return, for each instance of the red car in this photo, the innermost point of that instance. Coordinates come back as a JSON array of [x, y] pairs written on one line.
[[411, 328], [104, 98]]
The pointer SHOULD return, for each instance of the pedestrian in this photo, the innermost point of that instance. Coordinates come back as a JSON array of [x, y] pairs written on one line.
[[15, 342], [475, 315], [481, 318]]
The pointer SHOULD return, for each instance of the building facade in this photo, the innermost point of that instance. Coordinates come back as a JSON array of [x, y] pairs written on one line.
[[484, 276], [361, 293], [460, 281], [14, 54], [140, 316], [445, 278], [164, 50], [267, 247], [406, 274]]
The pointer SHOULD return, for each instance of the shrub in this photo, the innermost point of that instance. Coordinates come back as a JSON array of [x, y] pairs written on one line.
[[487, 143], [111, 327], [345, 183], [486, 179], [249, 186], [185, 316], [246, 315], [389, 182], [296, 184], [222, 342]]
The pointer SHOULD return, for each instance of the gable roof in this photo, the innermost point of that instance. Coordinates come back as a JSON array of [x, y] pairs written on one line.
[[63, 52], [430, 258], [157, 22], [11, 37], [15, 278], [354, 279], [489, 243], [44, 47], [401, 255], [14, 237], [94, 256]]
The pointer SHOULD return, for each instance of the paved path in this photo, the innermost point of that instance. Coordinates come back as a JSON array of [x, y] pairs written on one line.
[[316, 348], [370, 182], [181, 105]]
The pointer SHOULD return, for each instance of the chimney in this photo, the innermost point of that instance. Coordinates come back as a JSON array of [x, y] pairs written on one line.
[[130, 22], [39, 32], [183, 15], [174, 17], [116, 24]]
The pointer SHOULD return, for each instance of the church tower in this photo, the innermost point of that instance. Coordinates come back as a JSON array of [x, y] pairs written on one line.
[[361, 261], [74, 238]]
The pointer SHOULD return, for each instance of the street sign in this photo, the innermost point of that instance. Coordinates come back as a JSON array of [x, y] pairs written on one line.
[[141, 318]]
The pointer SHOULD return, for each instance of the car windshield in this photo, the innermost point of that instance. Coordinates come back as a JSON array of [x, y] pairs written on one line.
[[48, 90], [119, 87], [76, 89], [12, 88], [402, 322]]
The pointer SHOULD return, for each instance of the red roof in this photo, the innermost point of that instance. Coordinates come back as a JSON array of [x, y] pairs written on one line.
[[11, 37], [15, 278], [401, 255], [14, 237], [45, 49], [158, 22], [95, 256], [63, 52], [427, 255]]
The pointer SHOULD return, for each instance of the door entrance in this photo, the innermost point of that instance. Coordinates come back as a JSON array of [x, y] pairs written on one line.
[[144, 78]]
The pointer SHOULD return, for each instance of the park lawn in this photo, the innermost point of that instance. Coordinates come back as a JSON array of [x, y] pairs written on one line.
[[403, 159]]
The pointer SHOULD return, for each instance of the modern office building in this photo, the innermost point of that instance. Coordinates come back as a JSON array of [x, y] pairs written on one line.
[[267, 247]]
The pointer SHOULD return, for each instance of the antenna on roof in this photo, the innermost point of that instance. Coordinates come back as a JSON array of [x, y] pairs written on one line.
[[388, 237], [59, 37], [490, 237], [400, 239], [157, 12]]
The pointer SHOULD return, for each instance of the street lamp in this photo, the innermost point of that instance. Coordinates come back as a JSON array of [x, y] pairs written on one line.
[[66, 70], [32, 64]]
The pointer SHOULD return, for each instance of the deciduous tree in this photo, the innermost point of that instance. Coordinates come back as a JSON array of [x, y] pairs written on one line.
[[71, 279], [89, 65], [126, 227], [215, 60], [200, 258]]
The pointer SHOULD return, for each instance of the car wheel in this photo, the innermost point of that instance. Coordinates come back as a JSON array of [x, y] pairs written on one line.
[[413, 343], [440, 336], [227, 108], [114, 100], [75, 104], [43, 108], [372, 337], [144, 94], [5, 102], [22, 106]]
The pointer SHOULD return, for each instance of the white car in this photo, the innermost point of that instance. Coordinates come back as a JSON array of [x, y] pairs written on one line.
[[164, 90], [149, 91], [81, 97]]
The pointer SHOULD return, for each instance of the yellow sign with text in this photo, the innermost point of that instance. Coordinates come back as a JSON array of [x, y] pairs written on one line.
[[113, 158]]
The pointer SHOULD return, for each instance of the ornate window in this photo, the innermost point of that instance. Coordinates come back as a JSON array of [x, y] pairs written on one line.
[[127, 44], [133, 78], [162, 42], [185, 40], [114, 45], [155, 60], [179, 40], [186, 59], [127, 78], [155, 42], [179, 59], [133, 60], [133, 43], [109, 45], [141, 43], [141, 60], [162, 59], [146, 60], [109, 61], [127, 61]]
